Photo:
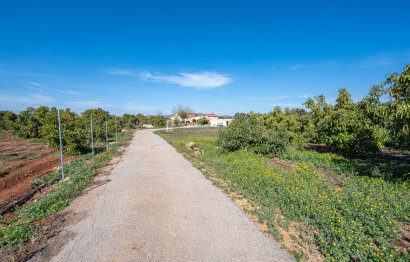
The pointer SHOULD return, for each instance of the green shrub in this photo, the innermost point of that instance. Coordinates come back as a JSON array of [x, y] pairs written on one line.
[[7, 119], [203, 121], [246, 132]]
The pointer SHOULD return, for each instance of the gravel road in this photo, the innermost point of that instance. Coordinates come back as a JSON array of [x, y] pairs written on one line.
[[158, 207]]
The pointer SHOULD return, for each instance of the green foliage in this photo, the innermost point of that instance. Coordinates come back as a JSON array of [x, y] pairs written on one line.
[[141, 119], [75, 140], [16, 234], [296, 122], [247, 132], [27, 124], [100, 116], [128, 120], [398, 107], [356, 217], [203, 121], [347, 126], [7, 119], [157, 121], [177, 122], [41, 124]]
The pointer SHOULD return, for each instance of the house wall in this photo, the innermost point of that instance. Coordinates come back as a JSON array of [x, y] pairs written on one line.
[[224, 121]]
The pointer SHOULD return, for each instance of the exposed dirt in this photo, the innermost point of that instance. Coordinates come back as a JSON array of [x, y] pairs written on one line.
[[50, 237], [403, 243], [281, 163], [22, 161], [50, 231]]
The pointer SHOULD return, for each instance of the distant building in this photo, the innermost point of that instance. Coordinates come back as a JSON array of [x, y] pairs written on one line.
[[192, 119]]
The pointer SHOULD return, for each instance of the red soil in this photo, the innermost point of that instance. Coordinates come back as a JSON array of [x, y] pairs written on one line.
[[20, 162]]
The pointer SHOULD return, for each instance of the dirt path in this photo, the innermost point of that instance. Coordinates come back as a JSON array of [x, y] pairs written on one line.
[[157, 207]]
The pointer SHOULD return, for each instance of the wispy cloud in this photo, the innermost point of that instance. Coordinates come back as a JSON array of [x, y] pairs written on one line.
[[41, 87], [384, 59], [120, 72], [201, 80], [27, 100], [273, 67]]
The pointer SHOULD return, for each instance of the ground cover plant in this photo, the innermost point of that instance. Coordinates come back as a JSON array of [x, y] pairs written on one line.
[[79, 172], [350, 215]]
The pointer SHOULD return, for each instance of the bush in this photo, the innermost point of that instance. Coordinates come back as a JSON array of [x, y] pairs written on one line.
[[273, 142], [7, 119], [203, 121], [246, 132]]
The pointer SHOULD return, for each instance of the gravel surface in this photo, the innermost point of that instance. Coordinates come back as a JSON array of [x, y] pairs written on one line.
[[158, 207]]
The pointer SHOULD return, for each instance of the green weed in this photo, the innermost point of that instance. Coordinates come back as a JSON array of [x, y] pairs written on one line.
[[355, 220]]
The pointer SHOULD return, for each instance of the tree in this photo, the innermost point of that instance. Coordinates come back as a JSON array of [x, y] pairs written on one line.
[[344, 100], [128, 120], [346, 127], [141, 119], [203, 121], [183, 112], [100, 116], [398, 107], [75, 140], [7, 119], [27, 124], [247, 132], [157, 121]]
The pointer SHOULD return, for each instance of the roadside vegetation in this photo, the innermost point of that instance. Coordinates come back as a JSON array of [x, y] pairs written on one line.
[[331, 182], [26, 159], [22, 225]]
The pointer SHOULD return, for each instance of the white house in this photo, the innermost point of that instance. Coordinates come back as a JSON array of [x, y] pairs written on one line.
[[214, 120]]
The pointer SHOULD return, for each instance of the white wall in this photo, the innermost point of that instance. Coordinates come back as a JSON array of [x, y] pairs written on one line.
[[223, 121]]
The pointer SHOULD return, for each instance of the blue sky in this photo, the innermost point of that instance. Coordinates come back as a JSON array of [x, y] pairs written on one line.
[[215, 56]]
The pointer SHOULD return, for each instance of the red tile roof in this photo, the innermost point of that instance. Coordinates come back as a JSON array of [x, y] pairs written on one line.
[[210, 115]]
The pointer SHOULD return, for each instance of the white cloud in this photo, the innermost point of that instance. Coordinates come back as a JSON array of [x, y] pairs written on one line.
[[120, 72], [201, 80]]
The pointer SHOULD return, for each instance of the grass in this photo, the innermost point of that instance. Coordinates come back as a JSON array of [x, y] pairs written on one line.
[[79, 171], [355, 217]]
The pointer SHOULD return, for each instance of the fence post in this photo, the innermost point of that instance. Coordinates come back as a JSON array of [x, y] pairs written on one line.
[[106, 132], [116, 131], [61, 144], [92, 135]]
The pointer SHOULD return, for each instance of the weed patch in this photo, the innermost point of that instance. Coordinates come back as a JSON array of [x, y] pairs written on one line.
[[358, 219]]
